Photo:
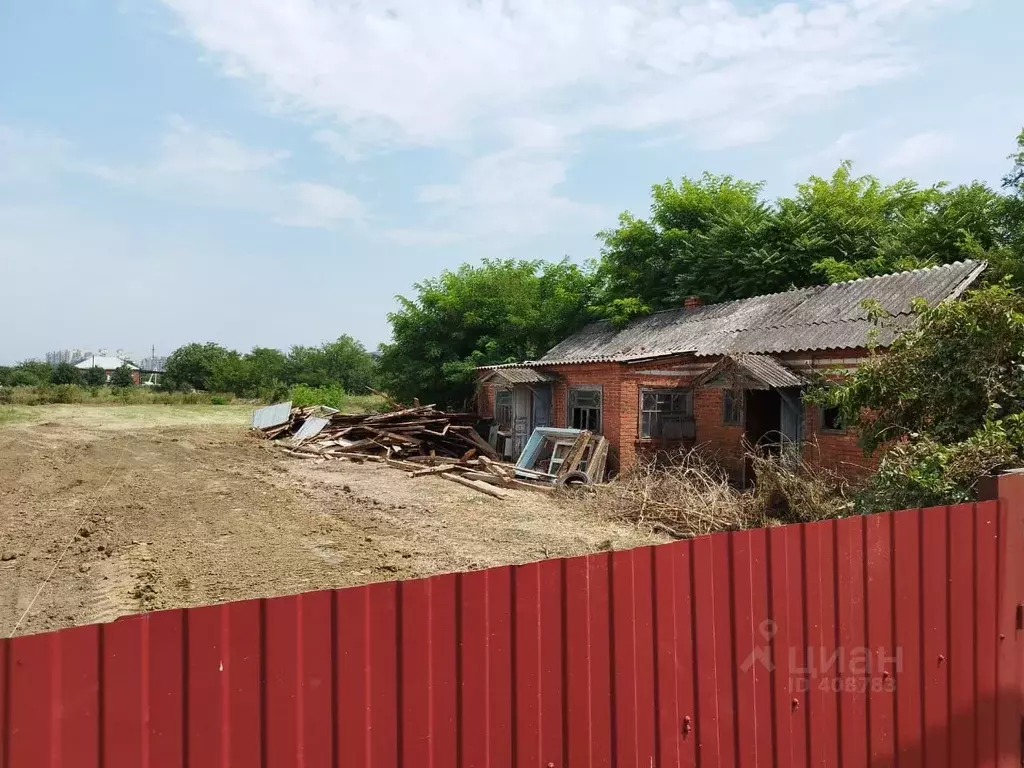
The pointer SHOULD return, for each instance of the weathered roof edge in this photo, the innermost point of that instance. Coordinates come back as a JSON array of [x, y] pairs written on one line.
[[962, 286]]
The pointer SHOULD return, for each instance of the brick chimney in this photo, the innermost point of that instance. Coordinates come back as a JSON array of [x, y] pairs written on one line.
[[692, 302]]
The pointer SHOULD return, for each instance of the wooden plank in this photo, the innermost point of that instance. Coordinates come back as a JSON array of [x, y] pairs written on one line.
[[486, 477], [482, 487], [433, 470], [575, 454], [598, 462]]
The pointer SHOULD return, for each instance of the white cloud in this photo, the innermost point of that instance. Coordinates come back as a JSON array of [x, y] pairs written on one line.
[[511, 192], [533, 77], [917, 151], [214, 169], [432, 73]]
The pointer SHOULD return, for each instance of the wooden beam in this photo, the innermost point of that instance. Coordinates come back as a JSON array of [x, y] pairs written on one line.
[[475, 485]]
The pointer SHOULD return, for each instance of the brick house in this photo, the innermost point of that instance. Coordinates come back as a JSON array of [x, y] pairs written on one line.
[[712, 375]]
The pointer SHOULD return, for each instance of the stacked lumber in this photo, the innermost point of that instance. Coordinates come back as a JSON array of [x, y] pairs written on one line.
[[422, 431]]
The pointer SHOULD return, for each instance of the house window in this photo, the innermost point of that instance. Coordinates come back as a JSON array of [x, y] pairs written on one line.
[[503, 408], [732, 407], [830, 420], [585, 408], [664, 413]]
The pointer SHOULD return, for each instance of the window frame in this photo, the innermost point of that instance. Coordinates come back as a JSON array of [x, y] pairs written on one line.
[[511, 406], [687, 413], [740, 413], [823, 427], [572, 389]]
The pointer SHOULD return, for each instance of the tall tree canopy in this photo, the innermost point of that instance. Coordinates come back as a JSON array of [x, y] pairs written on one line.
[[715, 237], [499, 311], [265, 372]]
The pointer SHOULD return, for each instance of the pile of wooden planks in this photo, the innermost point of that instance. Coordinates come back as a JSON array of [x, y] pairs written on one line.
[[401, 434]]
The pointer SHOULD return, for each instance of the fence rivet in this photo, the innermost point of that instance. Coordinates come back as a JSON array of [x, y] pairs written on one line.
[[687, 725], [551, 765], [796, 704], [942, 659], [885, 673], [1002, 637]]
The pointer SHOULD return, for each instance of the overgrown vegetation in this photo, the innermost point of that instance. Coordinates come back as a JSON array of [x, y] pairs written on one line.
[[689, 494], [716, 237], [944, 402]]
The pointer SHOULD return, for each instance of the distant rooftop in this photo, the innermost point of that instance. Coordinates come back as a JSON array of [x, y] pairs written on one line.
[[107, 363]]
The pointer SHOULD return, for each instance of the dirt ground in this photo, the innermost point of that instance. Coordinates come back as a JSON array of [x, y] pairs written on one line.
[[149, 507]]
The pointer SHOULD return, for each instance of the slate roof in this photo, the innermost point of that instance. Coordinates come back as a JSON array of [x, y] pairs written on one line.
[[522, 375], [807, 319], [763, 369]]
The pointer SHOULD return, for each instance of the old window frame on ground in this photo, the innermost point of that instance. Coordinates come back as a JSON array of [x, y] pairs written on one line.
[[733, 407], [588, 419], [826, 425], [651, 400]]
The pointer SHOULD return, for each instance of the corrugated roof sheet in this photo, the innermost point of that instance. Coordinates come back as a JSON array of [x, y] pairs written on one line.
[[761, 368], [311, 427], [522, 375], [271, 415], [821, 317]]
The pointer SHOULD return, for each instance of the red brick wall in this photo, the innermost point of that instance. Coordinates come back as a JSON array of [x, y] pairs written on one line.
[[609, 377], [725, 441], [838, 451], [621, 385]]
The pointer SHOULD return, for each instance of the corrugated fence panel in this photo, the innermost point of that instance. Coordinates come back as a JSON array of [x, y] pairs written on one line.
[[871, 641]]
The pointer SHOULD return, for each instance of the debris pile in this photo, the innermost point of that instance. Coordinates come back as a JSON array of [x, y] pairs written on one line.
[[427, 442], [406, 433]]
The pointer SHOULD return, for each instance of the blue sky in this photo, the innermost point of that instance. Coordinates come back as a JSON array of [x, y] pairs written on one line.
[[273, 172]]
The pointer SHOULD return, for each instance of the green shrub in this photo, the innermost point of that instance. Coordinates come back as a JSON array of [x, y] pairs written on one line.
[[65, 373], [122, 378], [219, 400], [333, 396], [95, 376], [922, 472]]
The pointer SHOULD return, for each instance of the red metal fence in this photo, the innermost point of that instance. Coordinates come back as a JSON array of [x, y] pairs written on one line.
[[730, 650]]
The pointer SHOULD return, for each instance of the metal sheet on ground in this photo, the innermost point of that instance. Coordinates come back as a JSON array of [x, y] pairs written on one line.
[[271, 416]]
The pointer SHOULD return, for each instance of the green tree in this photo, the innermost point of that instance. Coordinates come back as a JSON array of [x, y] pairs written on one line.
[[344, 362], [198, 366], [264, 372], [496, 312], [65, 373], [946, 402], [121, 378], [702, 239], [1014, 180], [714, 237], [95, 376], [32, 373]]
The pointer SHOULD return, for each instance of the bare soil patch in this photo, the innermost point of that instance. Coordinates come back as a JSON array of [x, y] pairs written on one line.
[[170, 508]]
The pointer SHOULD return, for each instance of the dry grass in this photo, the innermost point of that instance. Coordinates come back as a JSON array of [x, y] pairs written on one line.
[[690, 495]]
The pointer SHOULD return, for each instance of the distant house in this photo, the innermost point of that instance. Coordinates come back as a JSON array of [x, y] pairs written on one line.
[[151, 369], [714, 375], [108, 364]]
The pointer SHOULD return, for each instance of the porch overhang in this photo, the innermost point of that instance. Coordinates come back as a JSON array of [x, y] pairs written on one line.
[[511, 376], [749, 372]]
